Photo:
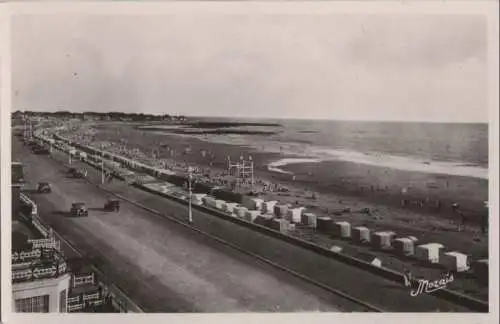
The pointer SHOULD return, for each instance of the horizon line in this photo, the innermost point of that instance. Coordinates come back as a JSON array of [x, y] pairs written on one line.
[[262, 117]]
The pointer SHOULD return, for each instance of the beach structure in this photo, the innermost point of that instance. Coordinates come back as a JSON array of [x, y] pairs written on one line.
[[268, 206], [229, 207], [309, 219], [342, 229], [252, 203], [361, 234], [428, 252], [280, 211], [323, 224], [240, 211], [220, 204], [242, 170], [294, 215], [264, 220], [382, 240], [454, 261], [480, 269], [280, 224], [250, 215], [404, 246], [197, 198], [210, 201]]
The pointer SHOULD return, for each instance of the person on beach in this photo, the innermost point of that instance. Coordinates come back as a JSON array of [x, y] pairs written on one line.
[[407, 277]]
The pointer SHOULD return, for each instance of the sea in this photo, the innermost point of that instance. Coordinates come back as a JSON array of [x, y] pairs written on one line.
[[449, 148]]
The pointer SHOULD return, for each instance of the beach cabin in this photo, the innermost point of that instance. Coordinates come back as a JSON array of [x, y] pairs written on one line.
[[323, 224], [268, 206], [240, 211], [480, 269], [404, 246], [220, 204], [309, 219], [257, 203], [280, 211], [294, 215], [209, 201], [250, 215], [229, 207], [361, 234], [196, 199], [382, 240], [264, 220], [342, 229], [280, 224], [252, 203], [428, 252], [454, 261]]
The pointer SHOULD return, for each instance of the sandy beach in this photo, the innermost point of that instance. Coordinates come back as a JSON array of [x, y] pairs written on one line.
[[328, 187]]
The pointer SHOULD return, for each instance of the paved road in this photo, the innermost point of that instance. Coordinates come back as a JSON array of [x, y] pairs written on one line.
[[162, 265]]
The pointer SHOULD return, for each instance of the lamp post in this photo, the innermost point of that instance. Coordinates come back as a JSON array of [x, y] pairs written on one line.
[[102, 165], [190, 179]]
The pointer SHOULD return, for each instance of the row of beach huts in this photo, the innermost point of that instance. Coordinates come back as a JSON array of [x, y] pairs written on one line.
[[286, 217]]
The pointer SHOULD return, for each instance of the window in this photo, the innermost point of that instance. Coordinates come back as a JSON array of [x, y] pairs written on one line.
[[62, 301], [37, 304]]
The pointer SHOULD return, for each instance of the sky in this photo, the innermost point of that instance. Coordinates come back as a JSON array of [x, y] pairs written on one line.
[[347, 67]]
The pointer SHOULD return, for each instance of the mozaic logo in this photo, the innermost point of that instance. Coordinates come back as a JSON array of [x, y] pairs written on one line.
[[428, 286]]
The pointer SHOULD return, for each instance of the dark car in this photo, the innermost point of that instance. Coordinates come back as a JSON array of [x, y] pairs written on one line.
[[112, 205], [44, 187], [79, 209]]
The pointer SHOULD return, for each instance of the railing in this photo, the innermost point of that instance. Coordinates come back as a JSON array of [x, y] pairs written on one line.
[[49, 243], [25, 199], [38, 273], [23, 256], [79, 306], [82, 280]]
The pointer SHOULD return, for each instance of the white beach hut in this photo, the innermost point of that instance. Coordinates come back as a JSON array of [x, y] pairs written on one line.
[[195, 198], [428, 252], [229, 207], [240, 211], [250, 215], [280, 211], [455, 261], [342, 229], [382, 240], [404, 246], [209, 201], [294, 215], [220, 204], [309, 219], [268, 206], [280, 224], [264, 220], [361, 234]]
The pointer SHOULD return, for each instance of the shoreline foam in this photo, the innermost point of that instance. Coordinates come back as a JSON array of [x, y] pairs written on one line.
[[274, 166]]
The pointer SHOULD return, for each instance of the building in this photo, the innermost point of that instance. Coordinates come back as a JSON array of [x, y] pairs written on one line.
[[40, 277]]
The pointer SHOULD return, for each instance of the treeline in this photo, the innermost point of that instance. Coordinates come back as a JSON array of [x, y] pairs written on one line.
[[100, 116]]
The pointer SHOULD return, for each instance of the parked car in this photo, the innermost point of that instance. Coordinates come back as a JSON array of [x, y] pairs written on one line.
[[79, 209]]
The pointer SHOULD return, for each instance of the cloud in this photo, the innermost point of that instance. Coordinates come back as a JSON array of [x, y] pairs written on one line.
[[327, 66]]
